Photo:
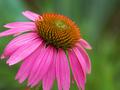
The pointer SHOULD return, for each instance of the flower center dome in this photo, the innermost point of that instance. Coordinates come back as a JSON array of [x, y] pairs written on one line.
[[58, 30]]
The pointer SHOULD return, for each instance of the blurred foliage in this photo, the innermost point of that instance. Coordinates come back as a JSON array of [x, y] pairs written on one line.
[[99, 21]]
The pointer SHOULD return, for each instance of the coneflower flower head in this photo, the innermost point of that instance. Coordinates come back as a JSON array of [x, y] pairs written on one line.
[[48, 46], [58, 30]]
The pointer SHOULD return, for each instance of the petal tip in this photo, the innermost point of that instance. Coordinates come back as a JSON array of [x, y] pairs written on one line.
[[2, 56], [6, 26], [85, 44], [1, 35], [20, 81], [16, 78], [9, 63], [89, 47], [30, 15], [89, 72]]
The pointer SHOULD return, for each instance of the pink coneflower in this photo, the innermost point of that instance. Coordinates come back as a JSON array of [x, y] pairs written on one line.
[[48, 46]]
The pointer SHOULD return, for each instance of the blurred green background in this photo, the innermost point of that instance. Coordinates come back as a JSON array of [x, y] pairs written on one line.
[[99, 21]]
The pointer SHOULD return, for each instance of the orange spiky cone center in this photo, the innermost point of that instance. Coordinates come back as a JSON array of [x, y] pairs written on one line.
[[58, 30]]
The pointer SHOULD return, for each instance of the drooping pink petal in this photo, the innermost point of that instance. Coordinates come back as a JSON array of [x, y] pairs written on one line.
[[27, 65], [49, 77], [81, 60], [37, 63], [20, 25], [86, 57], [77, 70], [24, 52], [58, 71], [16, 30], [43, 67], [31, 15], [18, 42], [62, 71], [85, 44]]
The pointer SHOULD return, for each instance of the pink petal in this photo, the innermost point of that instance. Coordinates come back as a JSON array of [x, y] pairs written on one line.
[[49, 78], [20, 25], [16, 30], [85, 44], [18, 42], [37, 63], [31, 15], [62, 71], [58, 72], [27, 65], [24, 52], [81, 60], [77, 70], [86, 57], [43, 67]]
